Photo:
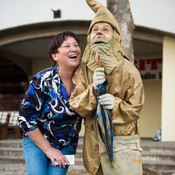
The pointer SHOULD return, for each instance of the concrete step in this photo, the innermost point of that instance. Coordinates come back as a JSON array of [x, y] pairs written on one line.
[[159, 166], [7, 151], [159, 149], [79, 161], [161, 156], [8, 155], [79, 153], [12, 143], [11, 151], [12, 159]]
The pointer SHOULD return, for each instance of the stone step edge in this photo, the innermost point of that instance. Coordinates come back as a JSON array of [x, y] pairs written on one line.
[[22, 157], [165, 154], [158, 162], [16, 148], [150, 162], [160, 168], [10, 148], [79, 151], [77, 167], [11, 157]]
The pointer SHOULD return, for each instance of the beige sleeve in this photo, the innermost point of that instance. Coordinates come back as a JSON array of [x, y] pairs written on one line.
[[127, 107], [82, 99]]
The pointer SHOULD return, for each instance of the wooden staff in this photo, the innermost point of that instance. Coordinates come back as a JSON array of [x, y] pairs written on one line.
[[97, 59]]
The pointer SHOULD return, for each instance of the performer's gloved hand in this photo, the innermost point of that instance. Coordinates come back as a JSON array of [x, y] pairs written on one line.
[[98, 77], [107, 100]]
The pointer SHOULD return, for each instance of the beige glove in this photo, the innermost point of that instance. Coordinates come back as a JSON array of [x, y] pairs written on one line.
[[98, 77], [107, 100]]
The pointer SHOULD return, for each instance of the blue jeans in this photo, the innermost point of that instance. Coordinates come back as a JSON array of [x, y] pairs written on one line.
[[38, 163]]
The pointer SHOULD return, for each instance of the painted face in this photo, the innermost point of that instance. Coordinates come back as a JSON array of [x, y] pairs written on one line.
[[69, 54], [101, 33]]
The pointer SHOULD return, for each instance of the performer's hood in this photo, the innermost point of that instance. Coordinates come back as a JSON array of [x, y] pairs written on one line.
[[104, 15]]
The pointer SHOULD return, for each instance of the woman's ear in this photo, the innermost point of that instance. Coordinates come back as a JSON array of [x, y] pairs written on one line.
[[54, 56]]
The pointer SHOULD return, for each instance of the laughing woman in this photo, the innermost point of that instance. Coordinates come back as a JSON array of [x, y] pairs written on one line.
[[50, 127]]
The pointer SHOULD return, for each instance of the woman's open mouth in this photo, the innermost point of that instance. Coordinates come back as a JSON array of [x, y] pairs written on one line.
[[73, 56]]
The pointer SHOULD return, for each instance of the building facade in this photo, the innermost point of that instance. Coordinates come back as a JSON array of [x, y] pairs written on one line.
[[25, 34]]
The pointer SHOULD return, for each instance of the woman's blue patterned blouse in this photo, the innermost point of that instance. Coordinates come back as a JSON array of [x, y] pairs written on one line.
[[46, 106]]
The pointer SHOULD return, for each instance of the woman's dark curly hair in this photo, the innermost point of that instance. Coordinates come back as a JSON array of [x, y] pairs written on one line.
[[57, 41]]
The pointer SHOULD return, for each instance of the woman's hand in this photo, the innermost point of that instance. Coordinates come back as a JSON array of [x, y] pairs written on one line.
[[56, 155], [52, 153]]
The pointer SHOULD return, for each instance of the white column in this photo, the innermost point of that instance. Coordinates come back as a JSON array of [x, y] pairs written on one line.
[[168, 90]]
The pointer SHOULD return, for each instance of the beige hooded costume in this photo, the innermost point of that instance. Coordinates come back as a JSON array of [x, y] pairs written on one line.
[[125, 85]]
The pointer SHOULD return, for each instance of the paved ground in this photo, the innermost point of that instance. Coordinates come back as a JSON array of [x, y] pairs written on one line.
[[12, 169], [20, 169]]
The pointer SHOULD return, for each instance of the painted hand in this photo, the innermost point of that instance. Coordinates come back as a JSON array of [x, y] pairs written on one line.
[[98, 77], [107, 100]]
